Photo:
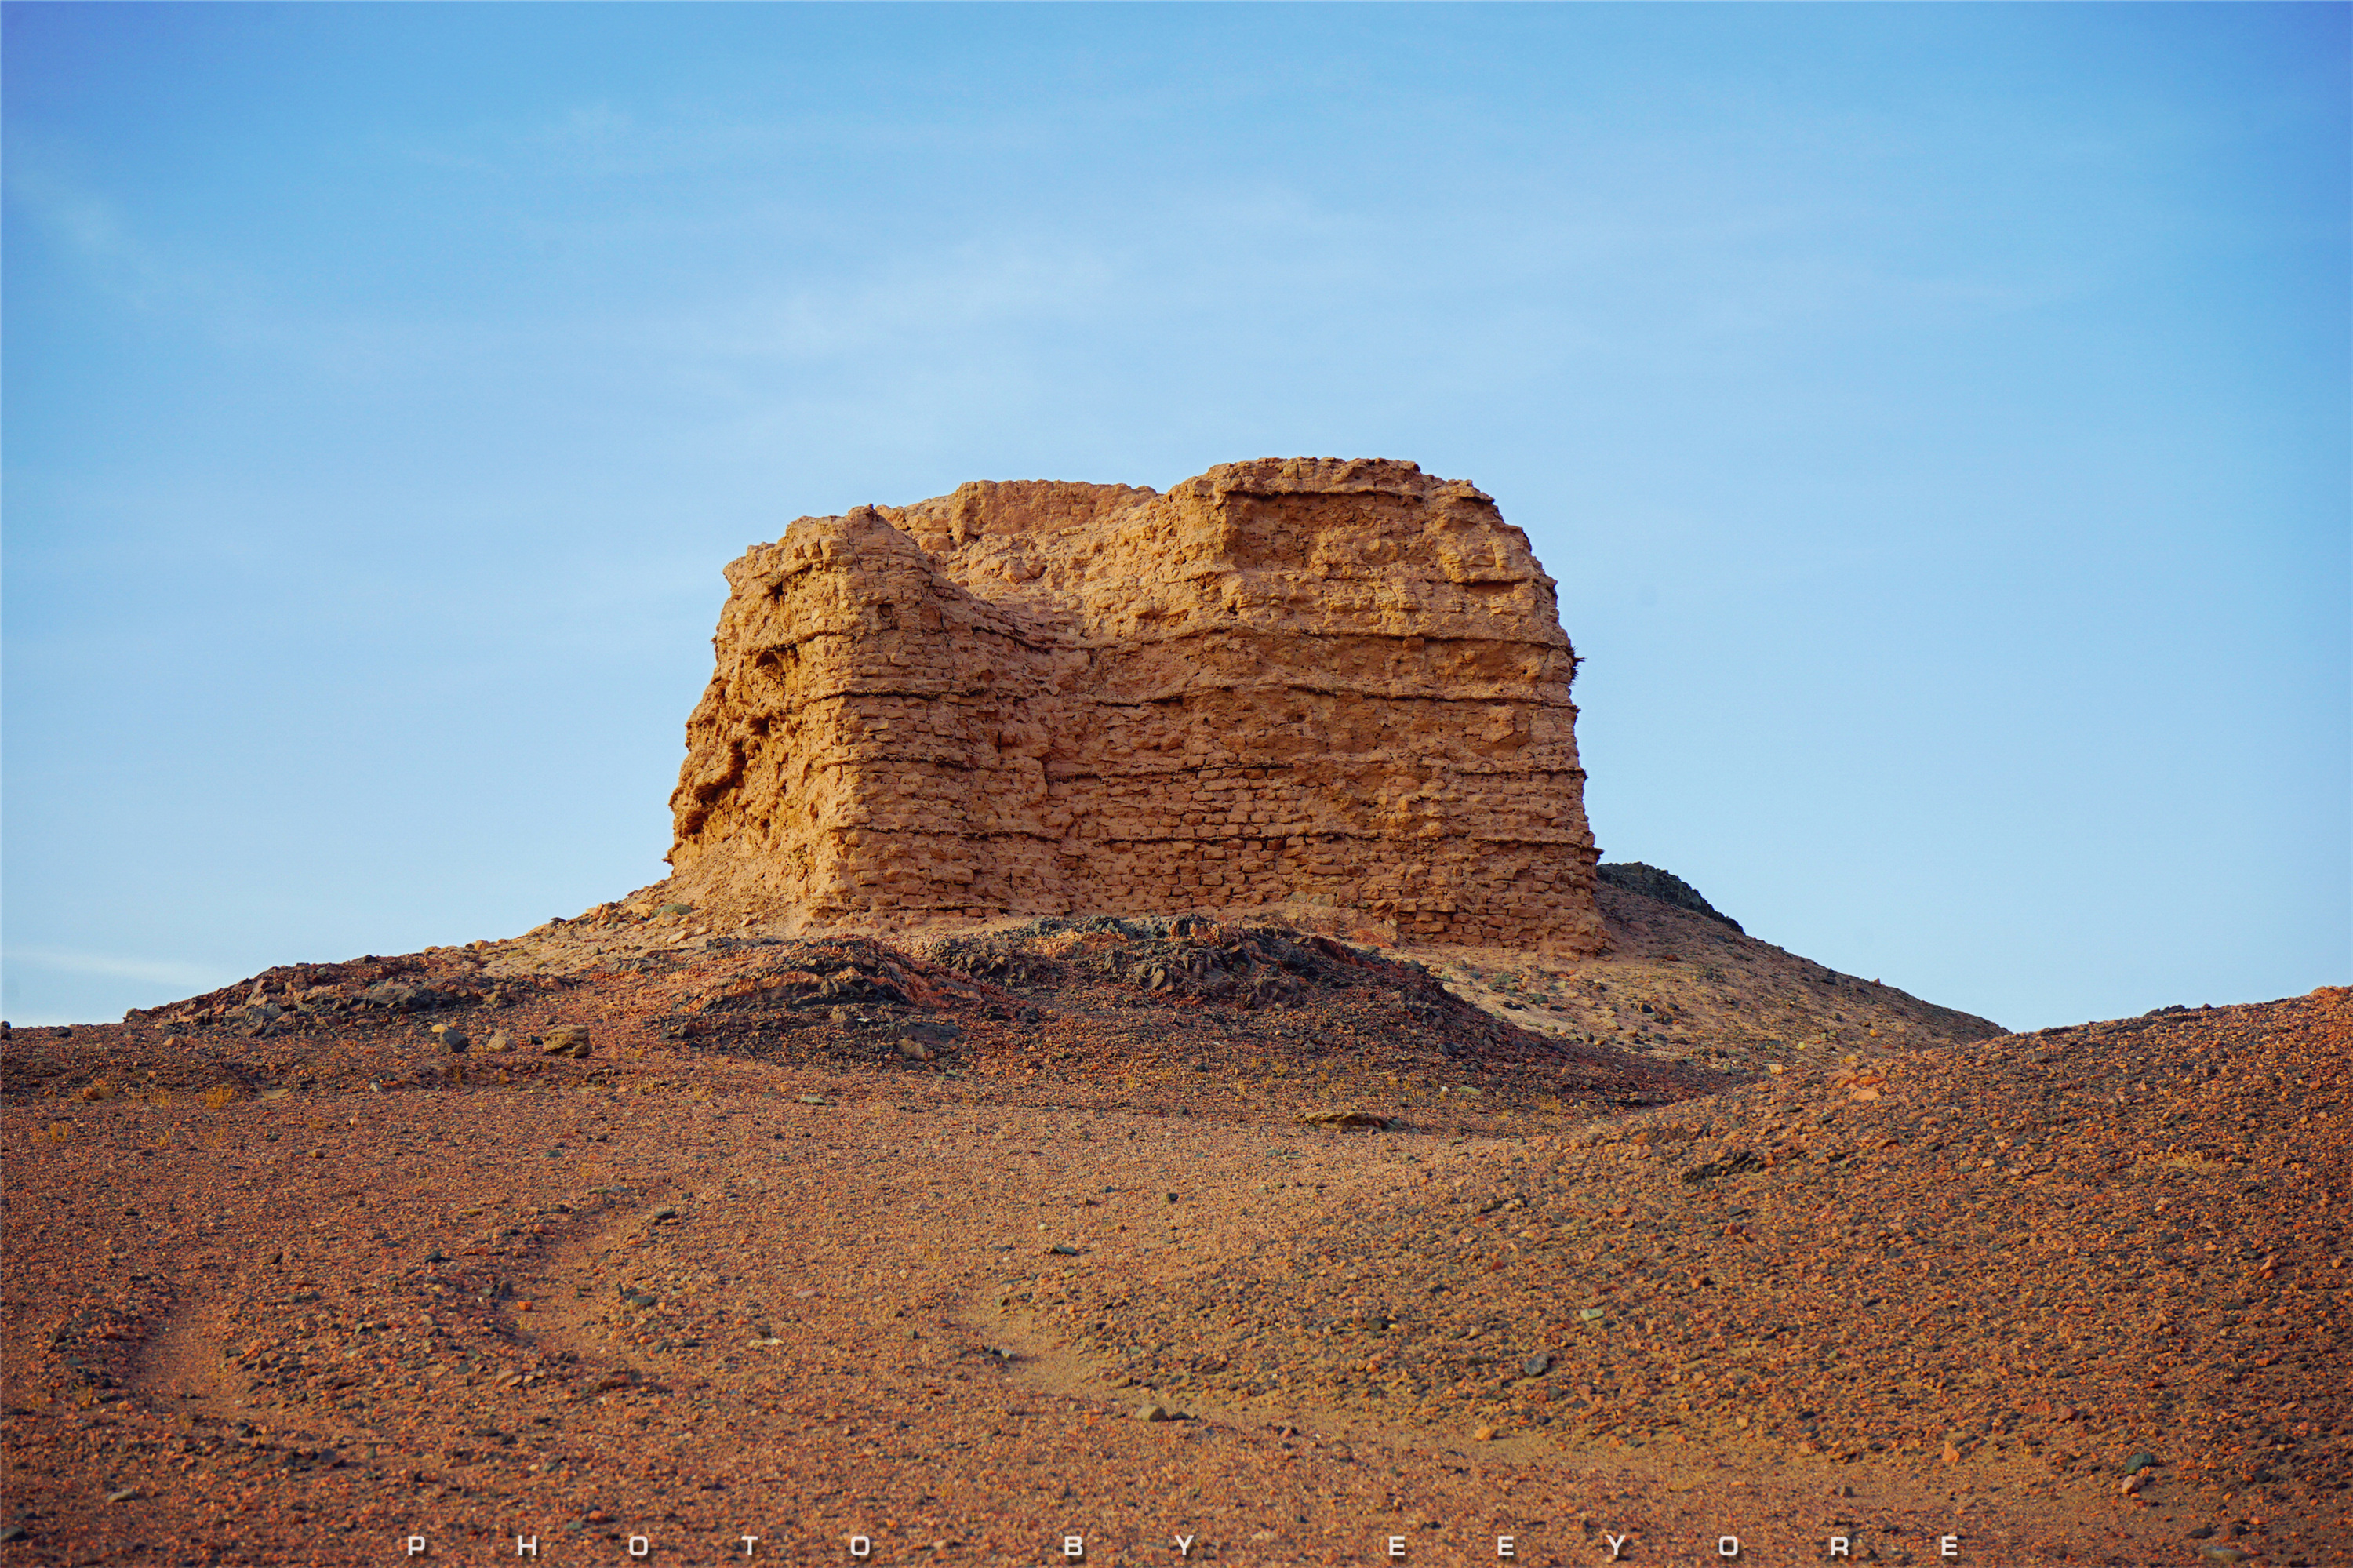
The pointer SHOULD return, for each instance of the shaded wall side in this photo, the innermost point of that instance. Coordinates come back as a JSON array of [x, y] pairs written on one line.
[[872, 739]]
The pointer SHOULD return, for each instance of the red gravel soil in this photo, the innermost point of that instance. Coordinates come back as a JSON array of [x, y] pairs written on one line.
[[1187, 1241]]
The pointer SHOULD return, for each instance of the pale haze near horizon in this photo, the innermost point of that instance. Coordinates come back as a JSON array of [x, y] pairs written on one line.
[[1936, 418]]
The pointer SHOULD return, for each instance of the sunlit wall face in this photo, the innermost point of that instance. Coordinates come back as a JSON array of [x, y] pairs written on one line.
[[1936, 418]]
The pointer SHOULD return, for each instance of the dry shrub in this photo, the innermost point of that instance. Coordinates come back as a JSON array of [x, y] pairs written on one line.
[[218, 1096]]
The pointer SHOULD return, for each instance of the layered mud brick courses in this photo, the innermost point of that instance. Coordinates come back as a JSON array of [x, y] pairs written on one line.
[[1302, 681]]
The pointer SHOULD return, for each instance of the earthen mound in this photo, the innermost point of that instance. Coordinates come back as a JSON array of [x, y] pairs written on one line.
[[1663, 886], [2052, 1251], [1299, 682]]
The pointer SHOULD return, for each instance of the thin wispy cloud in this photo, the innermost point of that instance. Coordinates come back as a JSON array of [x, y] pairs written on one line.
[[105, 241], [190, 978], [96, 230]]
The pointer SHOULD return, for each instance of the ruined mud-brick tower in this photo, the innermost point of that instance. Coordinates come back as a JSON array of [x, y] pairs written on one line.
[[1284, 682]]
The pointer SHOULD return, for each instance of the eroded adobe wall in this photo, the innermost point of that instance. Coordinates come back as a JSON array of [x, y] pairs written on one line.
[[1302, 679]]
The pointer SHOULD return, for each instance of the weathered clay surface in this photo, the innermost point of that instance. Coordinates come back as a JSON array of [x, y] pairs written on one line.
[[1294, 682]]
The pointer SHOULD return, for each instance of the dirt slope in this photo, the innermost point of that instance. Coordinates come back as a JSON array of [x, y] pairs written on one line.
[[2059, 1249], [1679, 985], [822, 1239]]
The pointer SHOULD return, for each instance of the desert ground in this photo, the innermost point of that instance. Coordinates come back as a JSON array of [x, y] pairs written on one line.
[[1149, 1242]]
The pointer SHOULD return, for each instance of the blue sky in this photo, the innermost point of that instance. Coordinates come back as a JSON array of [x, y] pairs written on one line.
[[1936, 418]]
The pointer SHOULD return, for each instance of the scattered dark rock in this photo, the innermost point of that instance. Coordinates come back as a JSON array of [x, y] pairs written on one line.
[[1737, 1163], [1344, 1118], [1663, 886]]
